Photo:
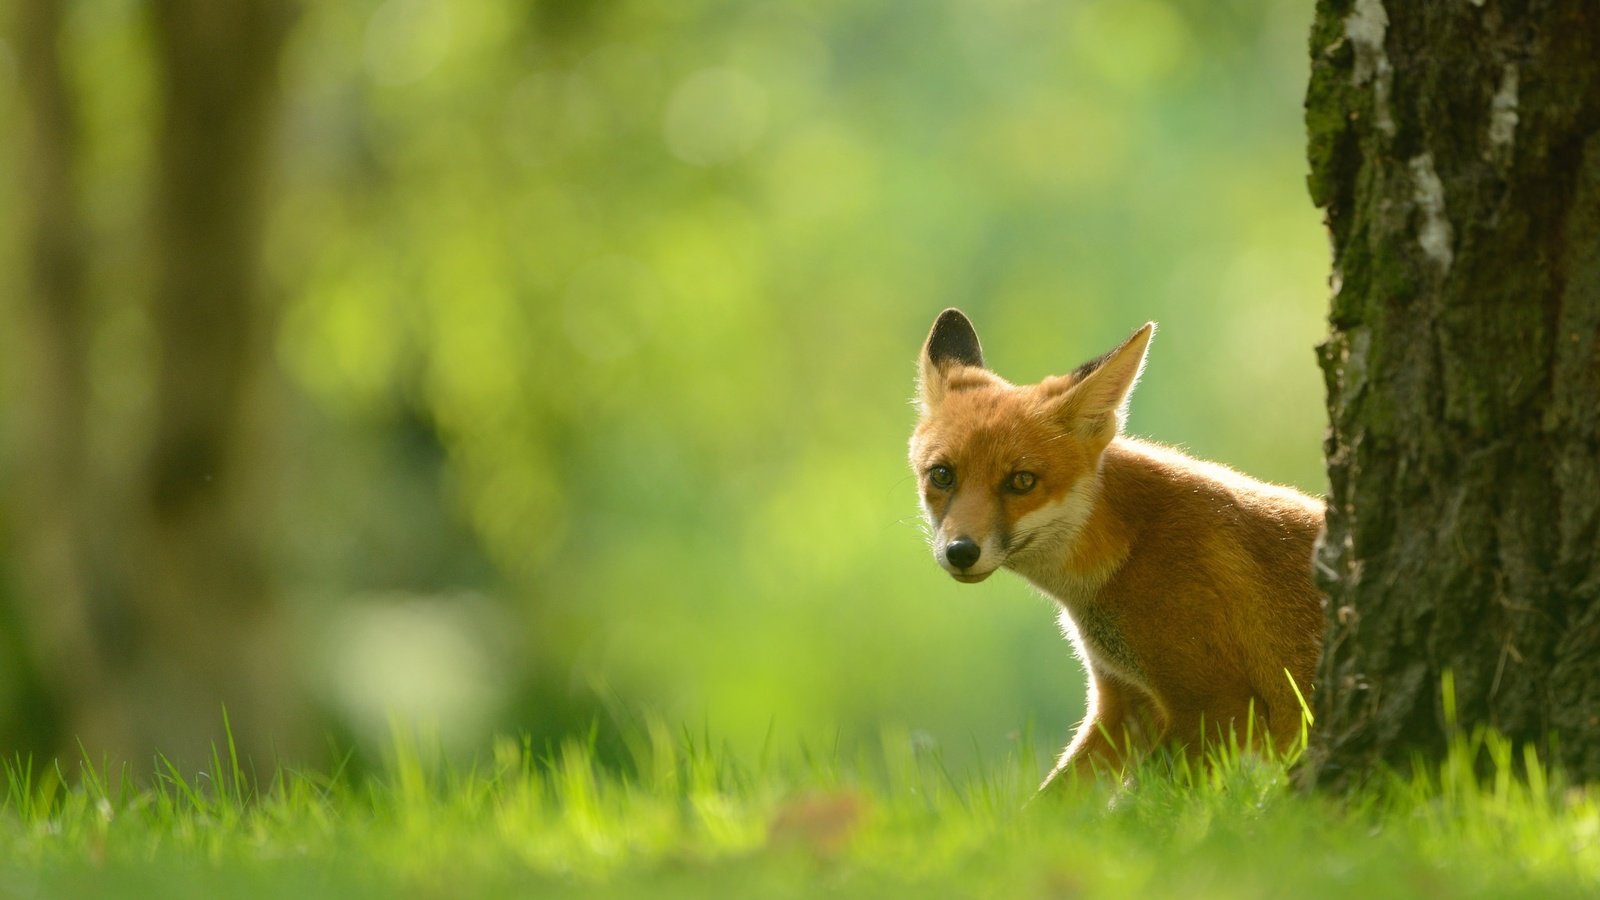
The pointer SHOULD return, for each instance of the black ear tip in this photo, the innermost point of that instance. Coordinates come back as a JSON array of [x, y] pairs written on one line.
[[953, 339]]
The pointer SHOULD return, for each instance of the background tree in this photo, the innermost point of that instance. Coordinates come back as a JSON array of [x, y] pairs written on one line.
[[1456, 151], [150, 604], [56, 547]]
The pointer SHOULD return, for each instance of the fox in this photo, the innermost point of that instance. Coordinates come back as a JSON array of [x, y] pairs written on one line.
[[1185, 587]]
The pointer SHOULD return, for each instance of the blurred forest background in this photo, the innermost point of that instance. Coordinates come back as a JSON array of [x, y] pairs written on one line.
[[496, 365]]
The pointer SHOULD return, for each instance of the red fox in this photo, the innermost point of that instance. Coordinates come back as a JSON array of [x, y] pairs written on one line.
[[1185, 587]]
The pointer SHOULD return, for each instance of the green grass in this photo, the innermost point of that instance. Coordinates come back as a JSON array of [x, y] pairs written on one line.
[[688, 819]]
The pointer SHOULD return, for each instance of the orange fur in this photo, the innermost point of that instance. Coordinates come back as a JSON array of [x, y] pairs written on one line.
[[1185, 586]]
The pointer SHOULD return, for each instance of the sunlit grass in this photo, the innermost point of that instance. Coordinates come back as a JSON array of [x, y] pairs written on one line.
[[685, 817]]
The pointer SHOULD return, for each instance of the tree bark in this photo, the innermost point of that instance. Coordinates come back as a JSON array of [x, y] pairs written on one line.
[[1455, 148]]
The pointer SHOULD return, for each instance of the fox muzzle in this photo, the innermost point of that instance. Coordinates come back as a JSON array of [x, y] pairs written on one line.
[[963, 552]]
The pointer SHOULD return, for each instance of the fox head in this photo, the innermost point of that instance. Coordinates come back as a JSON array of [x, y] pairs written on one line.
[[1004, 468]]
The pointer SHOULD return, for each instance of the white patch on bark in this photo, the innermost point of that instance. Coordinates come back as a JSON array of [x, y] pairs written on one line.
[[1365, 27], [1503, 115], [1435, 236]]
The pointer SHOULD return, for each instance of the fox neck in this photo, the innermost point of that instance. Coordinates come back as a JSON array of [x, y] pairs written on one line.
[[1082, 551]]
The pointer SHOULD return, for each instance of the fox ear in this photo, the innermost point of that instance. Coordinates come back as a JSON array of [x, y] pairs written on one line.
[[952, 342], [1097, 402]]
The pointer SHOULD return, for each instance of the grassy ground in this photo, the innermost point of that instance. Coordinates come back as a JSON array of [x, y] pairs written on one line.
[[687, 820]]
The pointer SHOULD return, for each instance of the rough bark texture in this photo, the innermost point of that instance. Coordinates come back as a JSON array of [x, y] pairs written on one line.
[[1456, 150], [147, 600]]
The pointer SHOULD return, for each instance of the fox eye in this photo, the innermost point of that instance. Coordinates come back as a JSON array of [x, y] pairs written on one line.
[[1021, 482], [942, 476]]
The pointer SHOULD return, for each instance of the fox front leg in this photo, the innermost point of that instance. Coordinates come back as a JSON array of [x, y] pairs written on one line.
[[1102, 742]]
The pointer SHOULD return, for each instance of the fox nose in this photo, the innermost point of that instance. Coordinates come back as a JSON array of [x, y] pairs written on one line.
[[962, 552]]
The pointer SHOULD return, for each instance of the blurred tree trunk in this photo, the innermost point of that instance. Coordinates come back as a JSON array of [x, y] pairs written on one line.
[[209, 631], [59, 566], [150, 604], [1456, 151]]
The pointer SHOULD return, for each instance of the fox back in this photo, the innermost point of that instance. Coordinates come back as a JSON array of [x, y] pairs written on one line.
[[1184, 586]]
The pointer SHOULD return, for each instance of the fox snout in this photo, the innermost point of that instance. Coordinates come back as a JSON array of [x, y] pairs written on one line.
[[966, 559], [962, 552]]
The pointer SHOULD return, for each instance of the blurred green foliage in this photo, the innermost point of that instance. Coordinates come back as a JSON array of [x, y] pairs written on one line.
[[599, 323]]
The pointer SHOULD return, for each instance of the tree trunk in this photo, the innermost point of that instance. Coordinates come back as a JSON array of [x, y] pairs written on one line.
[[148, 605], [60, 569], [1455, 148], [208, 629]]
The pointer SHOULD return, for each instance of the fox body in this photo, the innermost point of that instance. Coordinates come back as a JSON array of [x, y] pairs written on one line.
[[1184, 586]]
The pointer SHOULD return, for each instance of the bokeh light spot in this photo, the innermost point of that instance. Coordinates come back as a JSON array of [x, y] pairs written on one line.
[[421, 661], [1131, 43], [406, 40], [715, 116]]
